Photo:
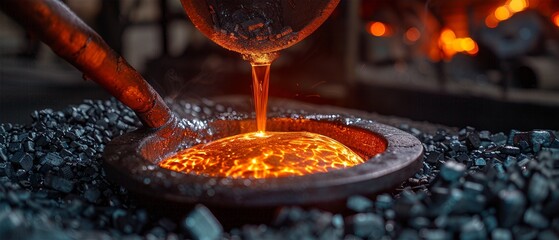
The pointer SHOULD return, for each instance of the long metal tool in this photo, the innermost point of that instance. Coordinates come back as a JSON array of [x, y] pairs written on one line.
[[70, 38]]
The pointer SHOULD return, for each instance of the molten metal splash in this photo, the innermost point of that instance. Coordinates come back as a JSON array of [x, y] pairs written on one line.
[[264, 155]]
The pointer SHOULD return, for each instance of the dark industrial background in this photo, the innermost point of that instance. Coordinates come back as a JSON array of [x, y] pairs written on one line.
[[487, 64]]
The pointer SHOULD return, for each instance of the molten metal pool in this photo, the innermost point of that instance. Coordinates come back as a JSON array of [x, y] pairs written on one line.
[[356, 156], [263, 155]]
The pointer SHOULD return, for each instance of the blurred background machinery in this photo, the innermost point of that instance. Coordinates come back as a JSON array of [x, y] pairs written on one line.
[[488, 64]]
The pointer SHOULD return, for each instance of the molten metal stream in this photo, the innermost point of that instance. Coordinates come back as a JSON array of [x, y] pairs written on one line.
[[260, 83]]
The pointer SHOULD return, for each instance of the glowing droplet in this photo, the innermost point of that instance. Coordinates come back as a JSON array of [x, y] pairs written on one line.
[[555, 19], [491, 21], [467, 44], [447, 36], [474, 50], [413, 34], [378, 29], [517, 5], [502, 13]]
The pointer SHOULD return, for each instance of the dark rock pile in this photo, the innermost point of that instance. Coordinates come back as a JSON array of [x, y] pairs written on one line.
[[473, 185]]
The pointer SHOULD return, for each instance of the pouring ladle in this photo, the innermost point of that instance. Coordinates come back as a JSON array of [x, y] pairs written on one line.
[[255, 28]]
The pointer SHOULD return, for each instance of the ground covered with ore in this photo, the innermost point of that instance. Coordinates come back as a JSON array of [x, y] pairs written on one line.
[[473, 185]]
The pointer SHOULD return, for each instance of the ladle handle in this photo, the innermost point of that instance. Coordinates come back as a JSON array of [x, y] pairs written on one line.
[[70, 38]]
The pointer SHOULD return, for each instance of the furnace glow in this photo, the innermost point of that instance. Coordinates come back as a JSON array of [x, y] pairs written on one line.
[[264, 155]]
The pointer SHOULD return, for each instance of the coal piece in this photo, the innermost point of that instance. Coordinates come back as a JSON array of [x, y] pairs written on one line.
[[52, 159], [501, 234], [3, 154], [200, 224], [452, 171], [511, 207], [58, 183], [535, 219], [359, 204], [538, 190], [365, 225]]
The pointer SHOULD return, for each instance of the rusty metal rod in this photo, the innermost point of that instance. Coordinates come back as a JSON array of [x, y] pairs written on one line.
[[70, 38]]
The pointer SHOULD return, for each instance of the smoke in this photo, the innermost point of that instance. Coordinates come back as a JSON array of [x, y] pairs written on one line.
[[184, 85]]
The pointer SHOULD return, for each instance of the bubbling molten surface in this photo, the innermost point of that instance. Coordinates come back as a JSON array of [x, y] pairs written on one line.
[[264, 155]]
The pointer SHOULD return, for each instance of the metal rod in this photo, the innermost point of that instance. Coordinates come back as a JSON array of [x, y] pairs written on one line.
[[70, 38]]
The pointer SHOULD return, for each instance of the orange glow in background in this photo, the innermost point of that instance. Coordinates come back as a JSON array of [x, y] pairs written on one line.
[[413, 34], [264, 155], [451, 45], [517, 5], [502, 13], [454, 38], [505, 11], [378, 29], [555, 19]]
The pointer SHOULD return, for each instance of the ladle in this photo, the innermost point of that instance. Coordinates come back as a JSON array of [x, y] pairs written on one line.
[[258, 29]]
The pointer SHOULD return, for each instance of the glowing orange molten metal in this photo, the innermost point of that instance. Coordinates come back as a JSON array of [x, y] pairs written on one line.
[[264, 155]]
